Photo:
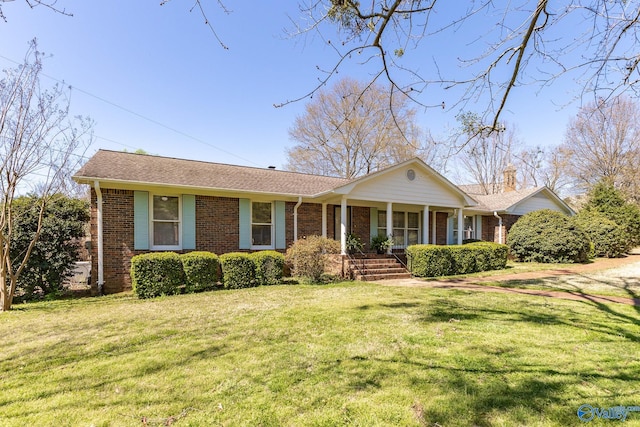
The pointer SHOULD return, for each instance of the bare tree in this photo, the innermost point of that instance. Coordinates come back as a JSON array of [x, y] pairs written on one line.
[[49, 4], [37, 145], [484, 155], [499, 45], [353, 129], [540, 166], [603, 143]]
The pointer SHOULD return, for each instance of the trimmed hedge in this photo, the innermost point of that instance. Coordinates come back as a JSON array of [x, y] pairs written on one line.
[[548, 236], [436, 261], [201, 270], [269, 266], [156, 274], [238, 270]]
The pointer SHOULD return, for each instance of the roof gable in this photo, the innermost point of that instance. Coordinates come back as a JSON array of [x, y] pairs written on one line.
[[393, 184], [522, 201]]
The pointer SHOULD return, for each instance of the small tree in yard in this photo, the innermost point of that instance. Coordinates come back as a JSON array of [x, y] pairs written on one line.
[[37, 145]]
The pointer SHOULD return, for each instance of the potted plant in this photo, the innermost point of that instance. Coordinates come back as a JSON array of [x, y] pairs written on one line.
[[353, 243], [381, 243]]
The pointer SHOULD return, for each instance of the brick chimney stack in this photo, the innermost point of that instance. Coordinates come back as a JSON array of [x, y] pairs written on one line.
[[509, 183]]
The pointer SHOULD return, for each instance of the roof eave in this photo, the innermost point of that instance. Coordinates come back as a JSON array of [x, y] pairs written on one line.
[[128, 184]]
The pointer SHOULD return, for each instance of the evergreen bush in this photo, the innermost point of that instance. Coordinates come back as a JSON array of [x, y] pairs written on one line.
[[610, 202], [238, 270], [548, 236], [201, 270], [269, 266], [436, 261], [155, 274], [608, 238]]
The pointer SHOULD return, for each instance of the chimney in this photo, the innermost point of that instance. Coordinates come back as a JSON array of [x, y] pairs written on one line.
[[509, 183]]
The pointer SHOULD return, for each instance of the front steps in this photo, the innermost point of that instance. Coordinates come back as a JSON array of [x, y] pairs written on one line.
[[376, 267]]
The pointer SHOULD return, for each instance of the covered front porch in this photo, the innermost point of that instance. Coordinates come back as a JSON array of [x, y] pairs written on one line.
[[409, 203]]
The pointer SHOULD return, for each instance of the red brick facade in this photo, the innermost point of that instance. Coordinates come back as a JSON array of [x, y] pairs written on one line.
[[491, 229], [217, 230], [441, 228], [117, 211], [217, 224]]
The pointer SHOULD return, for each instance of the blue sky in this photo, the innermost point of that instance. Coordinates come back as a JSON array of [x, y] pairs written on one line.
[[154, 77]]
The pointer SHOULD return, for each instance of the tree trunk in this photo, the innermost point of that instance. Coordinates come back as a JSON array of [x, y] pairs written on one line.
[[6, 293]]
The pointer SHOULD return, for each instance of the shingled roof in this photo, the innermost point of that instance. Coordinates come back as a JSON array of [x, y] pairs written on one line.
[[123, 167], [503, 201]]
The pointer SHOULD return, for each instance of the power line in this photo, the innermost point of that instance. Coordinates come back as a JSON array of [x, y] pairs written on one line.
[[127, 110]]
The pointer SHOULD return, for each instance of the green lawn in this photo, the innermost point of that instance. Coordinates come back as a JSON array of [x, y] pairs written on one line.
[[347, 354]]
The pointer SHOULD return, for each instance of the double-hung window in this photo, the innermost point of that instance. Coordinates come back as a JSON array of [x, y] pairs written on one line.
[[165, 222], [262, 225], [406, 227]]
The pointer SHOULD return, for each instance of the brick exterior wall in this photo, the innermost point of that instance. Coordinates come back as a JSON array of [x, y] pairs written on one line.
[[441, 228], [490, 227], [217, 228], [360, 225], [309, 220], [117, 212]]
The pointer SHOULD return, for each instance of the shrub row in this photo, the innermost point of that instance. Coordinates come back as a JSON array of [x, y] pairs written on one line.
[[168, 273], [435, 260]]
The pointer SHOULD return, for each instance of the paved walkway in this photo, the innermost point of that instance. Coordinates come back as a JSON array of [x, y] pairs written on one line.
[[474, 283]]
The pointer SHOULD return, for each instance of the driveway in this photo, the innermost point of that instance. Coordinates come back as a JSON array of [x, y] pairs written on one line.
[[580, 282]]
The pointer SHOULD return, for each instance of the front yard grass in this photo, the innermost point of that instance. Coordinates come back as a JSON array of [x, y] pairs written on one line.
[[346, 354]]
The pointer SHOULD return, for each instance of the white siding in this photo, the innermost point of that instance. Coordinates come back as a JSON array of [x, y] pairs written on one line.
[[395, 187], [537, 202]]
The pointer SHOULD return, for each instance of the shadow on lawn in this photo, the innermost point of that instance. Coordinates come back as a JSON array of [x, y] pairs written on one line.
[[498, 378], [605, 304]]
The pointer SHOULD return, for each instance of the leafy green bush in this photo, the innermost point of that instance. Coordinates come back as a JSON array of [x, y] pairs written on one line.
[[53, 257], [308, 257], [238, 270], [464, 260], [156, 274], [436, 261], [604, 198], [548, 236], [608, 238], [269, 266], [201, 270], [430, 260]]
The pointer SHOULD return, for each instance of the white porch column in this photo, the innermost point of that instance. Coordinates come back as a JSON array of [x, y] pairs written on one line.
[[324, 220], [343, 226], [389, 223], [425, 225], [433, 227], [460, 226]]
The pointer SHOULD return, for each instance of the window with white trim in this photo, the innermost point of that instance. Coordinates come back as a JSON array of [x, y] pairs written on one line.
[[165, 222], [262, 224], [406, 227], [469, 227]]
